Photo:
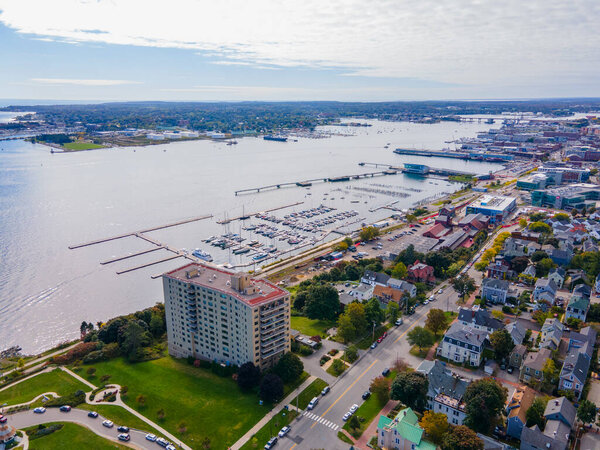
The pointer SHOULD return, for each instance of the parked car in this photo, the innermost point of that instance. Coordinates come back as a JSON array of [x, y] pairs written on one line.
[[271, 443], [3, 419], [510, 369], [385, 372], [124, 437], [346, 416], [39, 410], [285, 430], [379, 339], [399, 321], [151, 437], [366, 395], [162, 442], [374, 344], [65, 408], [426, 302], [441, 291], [108, 424], [123, 429], [325, 390], [384, 335], [171, 447], [313, 403], [353, 408], [93, 414]]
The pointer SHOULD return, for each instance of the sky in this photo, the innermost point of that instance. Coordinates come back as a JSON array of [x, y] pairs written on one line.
[[347, 50]]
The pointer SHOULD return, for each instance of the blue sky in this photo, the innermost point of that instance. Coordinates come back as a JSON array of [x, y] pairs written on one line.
[[287, 50]]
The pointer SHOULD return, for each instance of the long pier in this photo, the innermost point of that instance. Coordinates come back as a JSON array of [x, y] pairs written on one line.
[[136, 233], [432, 170], [305, 183], [133, 255], [247, 216], [170, 258]]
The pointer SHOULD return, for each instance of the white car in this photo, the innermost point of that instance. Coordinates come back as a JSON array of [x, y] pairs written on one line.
[[346, 416], [440, 291], [39, 410], [353, 408], [108, 424], [151, 437], [285, 430], [426, 302]]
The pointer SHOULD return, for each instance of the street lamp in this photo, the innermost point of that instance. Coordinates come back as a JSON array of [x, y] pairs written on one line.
[[374, 331]]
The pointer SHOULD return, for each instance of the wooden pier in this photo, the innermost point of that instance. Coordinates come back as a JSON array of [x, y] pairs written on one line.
[[133, 255], [247, 216], [137, 233]]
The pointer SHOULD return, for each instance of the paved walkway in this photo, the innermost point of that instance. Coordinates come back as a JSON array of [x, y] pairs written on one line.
[[37, 362], [372, 428], [49, 369], [262, 422]]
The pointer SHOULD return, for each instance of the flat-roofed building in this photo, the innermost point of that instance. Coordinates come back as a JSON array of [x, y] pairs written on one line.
[[227, 317], [496, 207]]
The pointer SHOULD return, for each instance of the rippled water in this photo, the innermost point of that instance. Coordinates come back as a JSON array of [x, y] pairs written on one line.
[[50, 201]]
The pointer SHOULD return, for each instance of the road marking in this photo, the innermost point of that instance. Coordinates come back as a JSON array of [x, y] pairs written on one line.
[[408, 329], [293, 446], [347, 389]]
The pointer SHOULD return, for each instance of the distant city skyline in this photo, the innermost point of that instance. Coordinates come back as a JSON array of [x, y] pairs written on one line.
[[233, 50]]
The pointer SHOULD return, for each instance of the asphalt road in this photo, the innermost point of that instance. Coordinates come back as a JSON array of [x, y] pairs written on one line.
[[29, 418]]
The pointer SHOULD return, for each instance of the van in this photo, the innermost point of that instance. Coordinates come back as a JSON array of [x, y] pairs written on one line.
[[313, 403]]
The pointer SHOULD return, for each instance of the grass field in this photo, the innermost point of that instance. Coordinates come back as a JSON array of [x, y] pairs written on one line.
[[81, 146], [311, 327], [270, 429], [313, 390], [211, 406], [72, 436], [55, 381], [121, 416], [368, 411]]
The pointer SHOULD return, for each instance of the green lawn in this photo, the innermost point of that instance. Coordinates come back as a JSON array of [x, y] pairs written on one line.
[[72, 436], [311, 327], [121, 416], [55, 381], [332, 372], [289, 387], [270, 429], [81, 146], [211, 406], [368, 410], [344, 438], [313, 390]]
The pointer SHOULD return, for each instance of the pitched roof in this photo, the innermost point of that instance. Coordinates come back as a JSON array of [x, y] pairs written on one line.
[[441, 380], [536, 360], [546, 284], [388, 293], [466, 334], [520, 350], [582, 290], [481, 317], [563, 407], [377, 277], [579, 303], [520, 402], [558, 271], [577, 364], [516, 331], [494, 283], [536, 439]]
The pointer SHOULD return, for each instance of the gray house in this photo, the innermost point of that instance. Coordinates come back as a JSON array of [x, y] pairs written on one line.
[[545, 290], [494, 290]]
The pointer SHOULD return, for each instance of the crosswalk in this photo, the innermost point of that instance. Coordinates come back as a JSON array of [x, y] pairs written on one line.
[[321, 420]]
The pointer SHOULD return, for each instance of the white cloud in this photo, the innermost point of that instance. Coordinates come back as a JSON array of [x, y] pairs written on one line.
[[78, 82], [453, 41]]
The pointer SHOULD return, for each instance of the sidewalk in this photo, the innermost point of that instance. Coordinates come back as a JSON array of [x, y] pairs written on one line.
[[262, 422], [372, 428]]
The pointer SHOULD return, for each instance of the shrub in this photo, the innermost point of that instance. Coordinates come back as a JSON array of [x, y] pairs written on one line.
[[91, 371], [333, 352], [74, 399], [507, 309], [78, 352], [95, 356], [305, 350], [43, 430], [111, 350]]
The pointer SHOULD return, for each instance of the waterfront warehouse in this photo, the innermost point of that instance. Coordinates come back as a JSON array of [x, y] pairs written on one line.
[[496, 207]]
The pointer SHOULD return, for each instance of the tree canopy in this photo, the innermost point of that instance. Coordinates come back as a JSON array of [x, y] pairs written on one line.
[[436, 320], [502, 343], [485, 399], [411, 389], [323, 302], [462, 438], [420, 337]]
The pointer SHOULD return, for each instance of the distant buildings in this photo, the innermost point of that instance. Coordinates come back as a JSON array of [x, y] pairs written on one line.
[[226, 317], [381, 279], [496, 207]]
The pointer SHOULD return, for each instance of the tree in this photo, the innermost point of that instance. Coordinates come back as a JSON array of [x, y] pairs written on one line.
[[502, 343], [462, 438], [182, 427], [323, 302], [351, 354], [205, 443], [356, 312], [91, 371], [594, 313], [289, 367], [300, 300], [586, 411], [380, 388], [435, 425], [484, 399], [549, 371], [345, 328], [538, 255], [540, 227], [463, 285], [535, 413], [141, 400], [399, 271], [543, 266], [134, 337], [392, 311], [408, 256], [354, 423], [248, 376], [368, 233], [421, 337], [20, 363], [519, 264], [338, 366], [271, 388], [157, 325], [373, 312], [562, 217], [411, 389], [522, 222], [436, 320], [104, 378]]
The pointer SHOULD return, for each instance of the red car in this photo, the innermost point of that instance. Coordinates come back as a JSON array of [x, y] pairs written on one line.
[[384, 335], [379, 340]]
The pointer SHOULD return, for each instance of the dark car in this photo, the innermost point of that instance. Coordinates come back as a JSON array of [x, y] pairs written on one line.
[[271, 443], [65, 408], [385, 372], [93, 414], [123, 429], [366, 395]]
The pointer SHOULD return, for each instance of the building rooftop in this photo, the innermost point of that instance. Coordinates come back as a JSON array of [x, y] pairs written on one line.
[[496, 202], [254, 292], [563, 407], [536, 360], [466, 334]]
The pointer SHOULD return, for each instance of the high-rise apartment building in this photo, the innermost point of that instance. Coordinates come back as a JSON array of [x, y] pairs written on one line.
[[226, 317]]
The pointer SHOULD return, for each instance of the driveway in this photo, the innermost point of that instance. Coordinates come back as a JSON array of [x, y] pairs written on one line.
[[79, 416]]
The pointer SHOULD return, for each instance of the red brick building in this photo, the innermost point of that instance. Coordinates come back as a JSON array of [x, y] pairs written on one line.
[[420, 272]]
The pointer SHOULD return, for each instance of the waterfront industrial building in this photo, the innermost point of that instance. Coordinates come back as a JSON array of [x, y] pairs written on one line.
[[496, 207], [226, 317]]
